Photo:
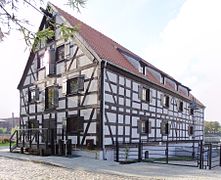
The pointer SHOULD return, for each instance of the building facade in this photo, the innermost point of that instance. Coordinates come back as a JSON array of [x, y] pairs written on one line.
[[94, 91]]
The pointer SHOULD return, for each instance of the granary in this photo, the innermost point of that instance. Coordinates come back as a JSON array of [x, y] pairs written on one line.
[[92, 93]]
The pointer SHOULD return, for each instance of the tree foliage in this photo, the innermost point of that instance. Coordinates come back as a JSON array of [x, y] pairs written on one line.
[[212, 127], [11, 20]]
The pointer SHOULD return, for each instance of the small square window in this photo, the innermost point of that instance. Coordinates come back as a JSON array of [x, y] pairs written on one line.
[[75, 85], [75, 124], [33, 95]]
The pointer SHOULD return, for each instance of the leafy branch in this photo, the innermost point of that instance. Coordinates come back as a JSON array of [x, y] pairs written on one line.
[[8, 15]]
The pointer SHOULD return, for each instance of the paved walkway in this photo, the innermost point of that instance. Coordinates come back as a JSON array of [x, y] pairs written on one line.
[[142, 170]]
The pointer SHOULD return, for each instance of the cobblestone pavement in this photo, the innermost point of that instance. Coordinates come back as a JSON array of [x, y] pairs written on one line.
[[21, 166], [17, 169]]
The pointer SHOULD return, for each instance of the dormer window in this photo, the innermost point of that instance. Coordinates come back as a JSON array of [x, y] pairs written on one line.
[[142, 68]]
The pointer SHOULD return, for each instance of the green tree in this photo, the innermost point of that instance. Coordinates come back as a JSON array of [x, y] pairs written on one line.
[[10, 19], [3, 130], [212, 127]]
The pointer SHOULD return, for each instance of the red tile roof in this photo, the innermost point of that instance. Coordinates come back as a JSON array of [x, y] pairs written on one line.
[[107, 49]]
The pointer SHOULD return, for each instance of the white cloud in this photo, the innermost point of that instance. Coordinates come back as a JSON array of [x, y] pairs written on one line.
[[189, 49]]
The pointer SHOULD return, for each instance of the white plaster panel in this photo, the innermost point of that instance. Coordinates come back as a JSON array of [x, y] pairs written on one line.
[[134, 120], [121, 80], [128, 101], [121, 91], [135, 97], [32, 108], [112, 117], [109, 98], [127, 119], [128, 83], [113, 129], [136, 105], [144, 106], [86, 113], [127, 130], [135, 86], [121, 101], [120, 118], [61, 104], [60, 68], [92, 128], [84, 60], [107, 87], [134, 133], [72, 101], [112, 76], [120, 130], [128, 93], [152, 109], [88, 72], [41, 74], [93, 86], [90, 99], [114, 88]]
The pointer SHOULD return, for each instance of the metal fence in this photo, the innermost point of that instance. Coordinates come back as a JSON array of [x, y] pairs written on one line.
[[185, 153]]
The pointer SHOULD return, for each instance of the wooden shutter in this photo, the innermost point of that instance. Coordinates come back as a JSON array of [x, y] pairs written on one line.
[[162, 99], [52, 62], [64, 86], [140, 89], [148, 95], [139, 126], [67, 50], [36, 94], [81, 83], [56, 96]]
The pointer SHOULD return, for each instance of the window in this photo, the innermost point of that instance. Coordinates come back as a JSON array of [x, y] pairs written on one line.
[[165, 100], [165, 128], [144, 126], [32, 123], [191, 111], [142, 69], [51, 97], [60, 53], [40, 62], [144, 94], [75, 124], [33, 95], [190, 130], [75, 85], [180, 106]]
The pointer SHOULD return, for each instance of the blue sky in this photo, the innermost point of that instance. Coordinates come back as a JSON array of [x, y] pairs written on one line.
[[181, 37]]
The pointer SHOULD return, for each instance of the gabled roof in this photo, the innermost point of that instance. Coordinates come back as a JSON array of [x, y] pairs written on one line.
[[110, 51]]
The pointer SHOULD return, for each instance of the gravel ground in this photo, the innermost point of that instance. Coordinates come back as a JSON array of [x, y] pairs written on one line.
[[17, 169]]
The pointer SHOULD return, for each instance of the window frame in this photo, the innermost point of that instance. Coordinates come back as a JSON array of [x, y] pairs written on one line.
[[78, 123], [59, 52], [165, 100], [165, 128], [54, 99], [180, 106], [144, 126], [79, 82]]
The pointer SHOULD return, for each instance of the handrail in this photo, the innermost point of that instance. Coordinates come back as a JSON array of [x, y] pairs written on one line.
[[10, 140]]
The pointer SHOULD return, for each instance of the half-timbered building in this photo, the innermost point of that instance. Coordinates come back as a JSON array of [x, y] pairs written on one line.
[[97, 93]]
